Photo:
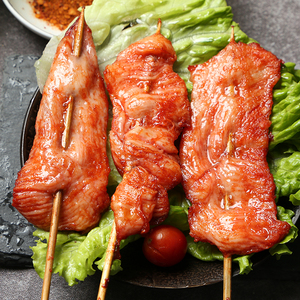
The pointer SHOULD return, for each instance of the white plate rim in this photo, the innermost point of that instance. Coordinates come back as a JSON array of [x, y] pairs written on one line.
[[47, 33]]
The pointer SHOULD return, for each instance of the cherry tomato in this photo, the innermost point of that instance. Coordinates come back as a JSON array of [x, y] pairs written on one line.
[[164, 246]]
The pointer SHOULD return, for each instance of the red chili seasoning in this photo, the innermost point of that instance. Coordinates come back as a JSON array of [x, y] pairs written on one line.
[[58, 13]]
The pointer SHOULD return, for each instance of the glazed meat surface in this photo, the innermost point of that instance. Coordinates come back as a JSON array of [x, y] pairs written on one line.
[[223, 152], [81, 170], [150, 108]]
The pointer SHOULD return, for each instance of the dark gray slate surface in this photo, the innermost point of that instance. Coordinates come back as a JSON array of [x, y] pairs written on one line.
[[19, 84]]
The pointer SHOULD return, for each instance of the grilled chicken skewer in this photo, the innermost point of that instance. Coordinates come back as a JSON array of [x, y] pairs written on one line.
[[81, 170], [232, 196], [68, 158], [150, 109]]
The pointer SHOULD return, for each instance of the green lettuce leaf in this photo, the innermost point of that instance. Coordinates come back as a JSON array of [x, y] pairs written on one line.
[[75, 254], [284, 152], [179, 206], [285, 116], [281, 248]]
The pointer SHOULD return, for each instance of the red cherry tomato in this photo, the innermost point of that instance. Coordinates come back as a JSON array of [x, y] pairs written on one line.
[[165, 246]]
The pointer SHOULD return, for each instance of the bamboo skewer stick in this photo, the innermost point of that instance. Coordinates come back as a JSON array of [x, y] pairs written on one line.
[[107, 264], [78, 35], [227, 278], [227, 264], [66, 133], [51, 245], [57, 201]]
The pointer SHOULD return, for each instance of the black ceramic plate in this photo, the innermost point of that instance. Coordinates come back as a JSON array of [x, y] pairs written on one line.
[[190, 272]]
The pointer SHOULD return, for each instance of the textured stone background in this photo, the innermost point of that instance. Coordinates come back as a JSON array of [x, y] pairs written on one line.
[[273, 23]]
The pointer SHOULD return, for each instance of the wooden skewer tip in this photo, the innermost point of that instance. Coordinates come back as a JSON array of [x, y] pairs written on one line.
[[68, 120], [51, 245], [158, 26], [79, 35], [227, 278], [107, 264], [232, 39]]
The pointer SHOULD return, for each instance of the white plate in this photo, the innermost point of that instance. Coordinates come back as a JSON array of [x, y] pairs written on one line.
[[22, 10]]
